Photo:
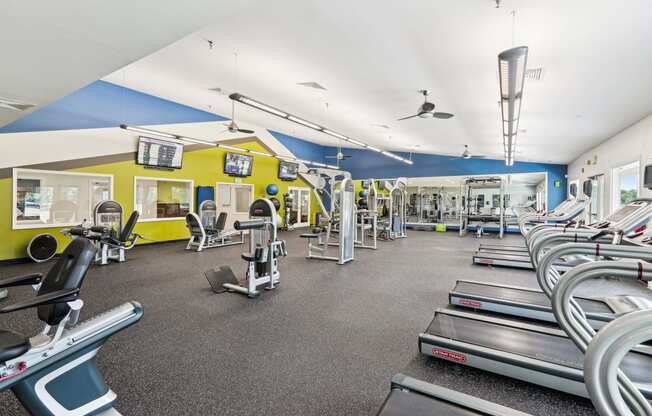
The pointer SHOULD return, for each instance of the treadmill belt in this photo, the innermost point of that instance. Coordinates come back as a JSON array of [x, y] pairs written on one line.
[[403, 403], [524, 296], [503, 256], [550, 348]]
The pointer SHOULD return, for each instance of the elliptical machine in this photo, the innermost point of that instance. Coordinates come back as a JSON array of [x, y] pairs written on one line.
[[54, 373], [262, 259]]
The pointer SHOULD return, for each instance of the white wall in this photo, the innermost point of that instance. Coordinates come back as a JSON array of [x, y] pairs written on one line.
[[630, 145]]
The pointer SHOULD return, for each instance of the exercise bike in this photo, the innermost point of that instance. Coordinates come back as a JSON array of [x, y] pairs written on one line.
[[54, 373]]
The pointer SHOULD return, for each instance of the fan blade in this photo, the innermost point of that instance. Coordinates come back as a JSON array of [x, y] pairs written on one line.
[[479, 157], [442, 116], [330, 157], [246, 131], [405, 118]]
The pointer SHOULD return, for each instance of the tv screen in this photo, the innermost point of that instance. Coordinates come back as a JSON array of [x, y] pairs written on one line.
[[236, 164], [287, 171], [365, 184], [159, 153], [648, 177]]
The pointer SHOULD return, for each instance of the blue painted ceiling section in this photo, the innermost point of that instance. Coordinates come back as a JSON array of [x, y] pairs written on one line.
[[302, 148], [102, 104]]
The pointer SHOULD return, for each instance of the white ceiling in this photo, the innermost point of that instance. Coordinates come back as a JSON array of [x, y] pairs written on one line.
[[52, 48], [373, 58]]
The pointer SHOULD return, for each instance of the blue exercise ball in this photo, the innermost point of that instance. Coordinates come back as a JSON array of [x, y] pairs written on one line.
[[271, 189], [363, 194]]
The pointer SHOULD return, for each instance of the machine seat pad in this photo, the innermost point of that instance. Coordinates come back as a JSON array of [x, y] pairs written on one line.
[[309, 235], [247, 257], [12, 345]]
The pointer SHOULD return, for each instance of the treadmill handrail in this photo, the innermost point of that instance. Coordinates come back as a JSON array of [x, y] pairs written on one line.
[[602, 361], [572, 319]]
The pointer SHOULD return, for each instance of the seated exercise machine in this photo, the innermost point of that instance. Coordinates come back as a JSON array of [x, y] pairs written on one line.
[[392, 219], [54, 373], [108, 233], [262, 259], [207, 228], [540, 353], [340, 222]]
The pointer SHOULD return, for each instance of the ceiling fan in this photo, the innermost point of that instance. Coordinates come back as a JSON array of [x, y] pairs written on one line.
[[338, 156], [427, 110], [466, 154], [232, 127]]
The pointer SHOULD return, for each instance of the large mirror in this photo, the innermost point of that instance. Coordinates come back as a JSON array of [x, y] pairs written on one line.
[[446, 199]]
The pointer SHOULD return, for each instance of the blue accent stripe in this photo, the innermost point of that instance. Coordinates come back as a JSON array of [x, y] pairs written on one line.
[[102, 104]]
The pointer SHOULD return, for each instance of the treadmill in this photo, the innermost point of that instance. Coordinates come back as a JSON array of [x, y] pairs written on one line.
[[568, 208], [627, 218], [539, 353], [411, 397], [534, 304]]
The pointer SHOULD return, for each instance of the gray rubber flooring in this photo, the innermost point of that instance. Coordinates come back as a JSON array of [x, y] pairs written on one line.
[[326, 342]]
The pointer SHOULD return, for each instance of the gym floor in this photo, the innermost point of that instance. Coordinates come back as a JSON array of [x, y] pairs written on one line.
[[326, 342]]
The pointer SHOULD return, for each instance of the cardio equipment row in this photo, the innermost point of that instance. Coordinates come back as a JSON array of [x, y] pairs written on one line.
[[511, 330]]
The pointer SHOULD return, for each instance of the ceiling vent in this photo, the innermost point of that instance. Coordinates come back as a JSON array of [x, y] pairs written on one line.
[[312, 84], [534, 74], [14, 105]]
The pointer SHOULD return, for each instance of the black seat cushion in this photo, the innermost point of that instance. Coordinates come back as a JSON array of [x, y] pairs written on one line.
[[12, 345]]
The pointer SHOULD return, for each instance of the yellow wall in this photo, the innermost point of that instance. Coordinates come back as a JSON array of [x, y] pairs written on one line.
[[204, 167]]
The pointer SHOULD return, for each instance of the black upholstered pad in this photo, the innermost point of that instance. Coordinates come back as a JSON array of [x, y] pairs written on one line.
[[12, 345]]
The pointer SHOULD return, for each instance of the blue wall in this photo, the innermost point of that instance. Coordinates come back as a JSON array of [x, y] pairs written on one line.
[[102, 104]]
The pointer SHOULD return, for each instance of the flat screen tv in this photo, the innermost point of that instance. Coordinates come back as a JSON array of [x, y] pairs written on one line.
[[159, 153], [365, 184], [236, 164], [287, 171], [648, 177]]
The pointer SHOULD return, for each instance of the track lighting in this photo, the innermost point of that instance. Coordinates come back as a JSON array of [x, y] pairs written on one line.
[[512, 64], [280, 113], [151, 132]]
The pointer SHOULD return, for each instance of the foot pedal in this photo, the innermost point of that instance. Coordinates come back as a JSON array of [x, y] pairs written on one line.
[[217, 277]]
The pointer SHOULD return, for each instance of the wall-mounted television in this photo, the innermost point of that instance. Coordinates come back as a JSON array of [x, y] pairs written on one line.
[[647, 182], [236, 164], [159, 153], [287, 171], [365, 184]]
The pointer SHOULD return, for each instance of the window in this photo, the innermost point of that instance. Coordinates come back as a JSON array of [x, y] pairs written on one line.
[[162, 199], [43, 198], [625, 184]]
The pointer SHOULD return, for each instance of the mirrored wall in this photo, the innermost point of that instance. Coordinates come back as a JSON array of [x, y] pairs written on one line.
[[439, 199]]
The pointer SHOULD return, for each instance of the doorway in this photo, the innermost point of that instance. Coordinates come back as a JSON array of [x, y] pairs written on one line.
[[234, 199], [300, 213]]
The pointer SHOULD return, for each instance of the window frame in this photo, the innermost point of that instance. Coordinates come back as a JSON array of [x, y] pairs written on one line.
[[152, 178], [615, 182], [16, 225]]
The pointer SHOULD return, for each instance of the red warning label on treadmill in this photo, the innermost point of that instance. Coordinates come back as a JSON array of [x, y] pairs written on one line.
[[471, 303], [449, 355], [485, 261]]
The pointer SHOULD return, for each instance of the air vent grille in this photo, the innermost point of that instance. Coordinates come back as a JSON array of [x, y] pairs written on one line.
[[312, 84], [534, 74]]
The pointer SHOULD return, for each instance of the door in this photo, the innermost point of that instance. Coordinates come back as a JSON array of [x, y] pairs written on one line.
[[234, 199], [301, 207], [597, 192]]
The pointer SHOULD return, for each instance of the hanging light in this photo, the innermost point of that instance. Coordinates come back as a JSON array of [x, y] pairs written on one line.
[[280, 113], [511, 68]]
